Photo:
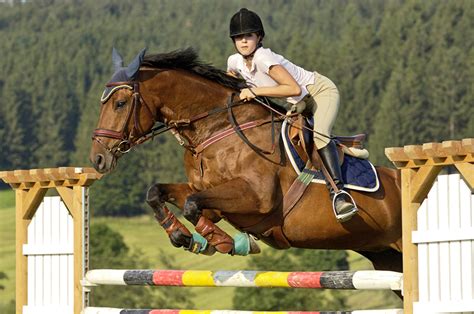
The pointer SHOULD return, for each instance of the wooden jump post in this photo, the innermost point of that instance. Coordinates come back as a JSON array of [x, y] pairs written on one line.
[[438, 225], [30, 188]]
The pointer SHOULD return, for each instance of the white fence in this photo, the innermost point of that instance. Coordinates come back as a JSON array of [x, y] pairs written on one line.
[[50, 250], [445, 239]]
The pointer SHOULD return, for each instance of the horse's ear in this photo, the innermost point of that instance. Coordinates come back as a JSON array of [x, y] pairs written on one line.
[[134, 66], [117, 60]]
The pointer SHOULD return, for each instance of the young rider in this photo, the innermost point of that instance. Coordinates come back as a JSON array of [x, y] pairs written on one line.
[[272, 75]]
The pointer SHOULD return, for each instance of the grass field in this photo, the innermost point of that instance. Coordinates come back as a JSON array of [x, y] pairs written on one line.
[[144, 234], [7, 244]]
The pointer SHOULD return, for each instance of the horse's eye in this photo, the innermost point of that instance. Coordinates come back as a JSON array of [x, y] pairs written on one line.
[[120, 103]]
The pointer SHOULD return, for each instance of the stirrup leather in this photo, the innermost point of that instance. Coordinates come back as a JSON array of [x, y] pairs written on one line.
[[346, 216]]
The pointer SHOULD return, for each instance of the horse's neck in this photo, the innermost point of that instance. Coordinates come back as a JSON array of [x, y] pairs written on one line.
[[184, 96], [189, 96]]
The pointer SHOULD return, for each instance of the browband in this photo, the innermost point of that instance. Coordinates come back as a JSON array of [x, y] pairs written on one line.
[[108, 92]]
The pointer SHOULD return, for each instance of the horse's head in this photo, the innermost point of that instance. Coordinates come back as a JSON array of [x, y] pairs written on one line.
[[124, 116], [180, 90]]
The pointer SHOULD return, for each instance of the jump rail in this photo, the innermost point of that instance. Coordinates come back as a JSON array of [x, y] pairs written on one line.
[[358, 280]]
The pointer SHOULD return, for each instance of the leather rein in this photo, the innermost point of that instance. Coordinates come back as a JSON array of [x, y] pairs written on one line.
[[127, 140]]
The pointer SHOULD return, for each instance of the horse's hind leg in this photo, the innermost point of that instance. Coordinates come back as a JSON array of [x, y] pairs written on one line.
[[156, 197]]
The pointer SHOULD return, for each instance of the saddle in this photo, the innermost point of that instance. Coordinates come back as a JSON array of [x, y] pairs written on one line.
[[302, 140]]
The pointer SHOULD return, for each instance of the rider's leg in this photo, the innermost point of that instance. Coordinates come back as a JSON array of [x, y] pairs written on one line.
[[325, 105], [342, 204]]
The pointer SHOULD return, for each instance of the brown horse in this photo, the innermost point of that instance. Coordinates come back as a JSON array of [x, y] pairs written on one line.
[[226, 177]]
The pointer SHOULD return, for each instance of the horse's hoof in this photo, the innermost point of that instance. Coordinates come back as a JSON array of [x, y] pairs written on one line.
[[244, 245], [179, 239], [254, 248], [199, 245], [209, 250]]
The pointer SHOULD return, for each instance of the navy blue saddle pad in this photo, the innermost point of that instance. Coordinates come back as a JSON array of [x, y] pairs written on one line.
[[358, 174]]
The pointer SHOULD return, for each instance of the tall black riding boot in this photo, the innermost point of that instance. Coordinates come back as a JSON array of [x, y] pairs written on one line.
[[342, 203]]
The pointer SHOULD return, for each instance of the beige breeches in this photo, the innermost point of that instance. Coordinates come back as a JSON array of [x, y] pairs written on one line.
[[324, 104]]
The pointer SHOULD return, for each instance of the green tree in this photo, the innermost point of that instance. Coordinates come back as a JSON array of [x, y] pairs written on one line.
[[56, 60], [121, 193], [6, 307], [2, 276], [388, 120]]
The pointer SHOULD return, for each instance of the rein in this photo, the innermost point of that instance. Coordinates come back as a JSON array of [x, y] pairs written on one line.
[[128, 140], [256, 149]]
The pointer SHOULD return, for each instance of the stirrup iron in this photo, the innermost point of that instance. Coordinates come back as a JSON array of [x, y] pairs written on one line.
[[346, 216]]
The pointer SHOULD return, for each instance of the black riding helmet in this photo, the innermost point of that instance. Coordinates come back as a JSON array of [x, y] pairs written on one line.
[[245, 22]]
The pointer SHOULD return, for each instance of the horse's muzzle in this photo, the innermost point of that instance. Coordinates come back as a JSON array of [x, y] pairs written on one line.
[[99, 162], [103, 163]]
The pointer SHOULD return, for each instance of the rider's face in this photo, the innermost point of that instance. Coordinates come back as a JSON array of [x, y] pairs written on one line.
[[246, 43]]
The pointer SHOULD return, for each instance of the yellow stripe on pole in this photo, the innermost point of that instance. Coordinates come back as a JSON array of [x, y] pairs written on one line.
[[194, 312], [272, 279], [198, 278]]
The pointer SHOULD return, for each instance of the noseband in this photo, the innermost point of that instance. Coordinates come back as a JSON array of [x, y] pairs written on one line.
[[126, 140]]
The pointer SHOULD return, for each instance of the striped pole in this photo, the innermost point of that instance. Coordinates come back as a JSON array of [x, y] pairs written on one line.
[[98, 310], [358, 280]]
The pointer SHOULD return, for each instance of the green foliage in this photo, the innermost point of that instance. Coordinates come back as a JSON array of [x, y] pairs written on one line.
[[293, 299], [108, 250], [7, 199], [4, 306], [2, 276], [7, 307], [404, 70]]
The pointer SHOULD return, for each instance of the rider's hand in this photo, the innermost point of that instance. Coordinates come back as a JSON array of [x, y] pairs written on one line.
[[299, 107], [246, 94], [292, 111]]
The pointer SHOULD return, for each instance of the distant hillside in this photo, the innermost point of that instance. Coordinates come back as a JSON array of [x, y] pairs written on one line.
[[404, 70]]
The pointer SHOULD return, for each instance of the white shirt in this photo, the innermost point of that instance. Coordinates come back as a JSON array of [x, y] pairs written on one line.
[[258, 75]]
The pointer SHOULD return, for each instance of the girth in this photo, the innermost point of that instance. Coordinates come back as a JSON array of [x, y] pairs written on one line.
[[272, 225]]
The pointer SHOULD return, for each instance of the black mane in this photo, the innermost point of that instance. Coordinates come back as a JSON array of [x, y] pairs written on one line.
[[187, 59]]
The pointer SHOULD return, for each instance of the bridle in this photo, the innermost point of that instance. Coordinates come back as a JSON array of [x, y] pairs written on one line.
[[126, 140]]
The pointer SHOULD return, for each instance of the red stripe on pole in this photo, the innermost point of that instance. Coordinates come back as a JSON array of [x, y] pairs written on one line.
[[305, 280], [164, 312], [168, 277]]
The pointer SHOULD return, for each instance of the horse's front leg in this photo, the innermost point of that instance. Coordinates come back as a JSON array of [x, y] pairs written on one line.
[[175, 194], [235, 196]]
